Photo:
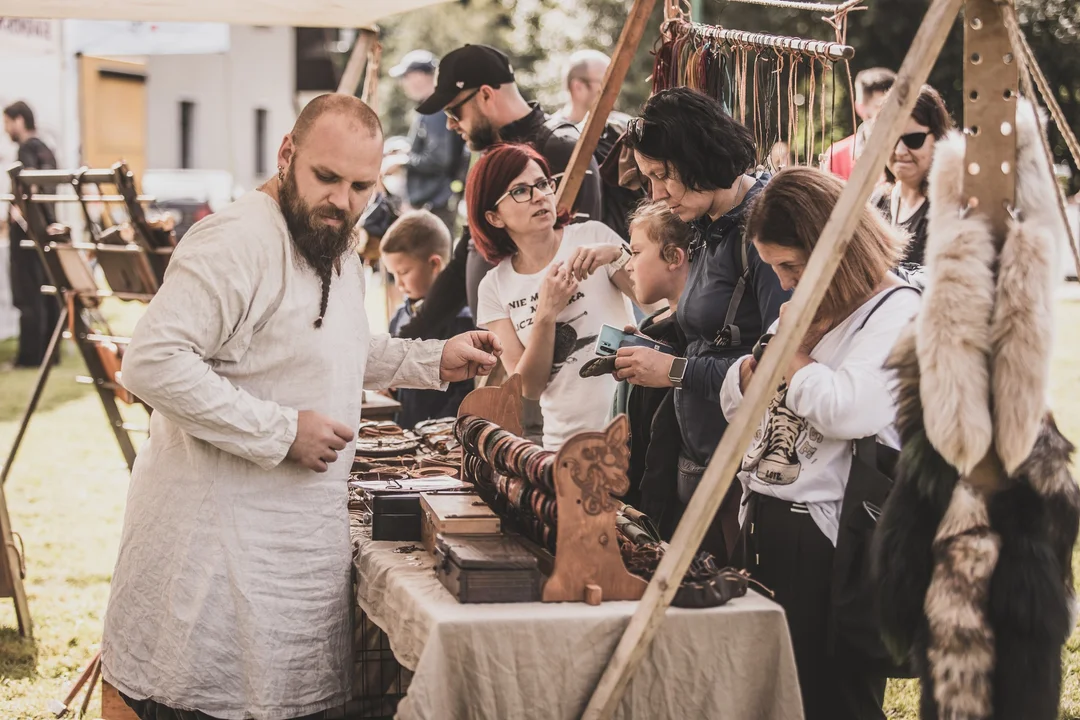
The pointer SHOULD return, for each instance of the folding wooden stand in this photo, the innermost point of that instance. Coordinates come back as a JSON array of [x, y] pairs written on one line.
[[134, 271]]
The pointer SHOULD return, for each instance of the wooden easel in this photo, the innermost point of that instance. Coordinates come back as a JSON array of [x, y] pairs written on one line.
[[588, 469]]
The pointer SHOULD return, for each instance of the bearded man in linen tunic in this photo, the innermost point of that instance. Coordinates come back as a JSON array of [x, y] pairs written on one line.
[[231, 593]]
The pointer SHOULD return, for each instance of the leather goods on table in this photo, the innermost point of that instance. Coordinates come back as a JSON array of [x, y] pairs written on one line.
[[487, 569], [704, 585], [455, 513], [378, 446]]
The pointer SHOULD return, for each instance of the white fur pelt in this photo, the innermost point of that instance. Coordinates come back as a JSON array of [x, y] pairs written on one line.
[[953, 327], [961, 649], [980, 337], [1022, 331]]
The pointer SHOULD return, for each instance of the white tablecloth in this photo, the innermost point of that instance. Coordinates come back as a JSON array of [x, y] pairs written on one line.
[[542, 660]]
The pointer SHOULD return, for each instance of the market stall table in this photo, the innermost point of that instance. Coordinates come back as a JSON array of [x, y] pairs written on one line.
[[378, 407], [542, 660]]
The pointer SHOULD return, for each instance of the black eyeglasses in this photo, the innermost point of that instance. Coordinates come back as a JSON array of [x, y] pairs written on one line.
[[524, 193], [915, 140], [636, 128], [453, 111]]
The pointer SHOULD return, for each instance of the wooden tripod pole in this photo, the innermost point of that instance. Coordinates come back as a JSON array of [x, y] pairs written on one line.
[[811, 289], [605, 103], [354, 69]]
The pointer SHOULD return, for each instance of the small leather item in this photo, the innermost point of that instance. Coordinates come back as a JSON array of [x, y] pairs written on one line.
[[598, 367], [704, 585]]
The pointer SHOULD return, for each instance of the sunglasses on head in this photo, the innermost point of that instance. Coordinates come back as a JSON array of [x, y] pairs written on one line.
[[914, 140]]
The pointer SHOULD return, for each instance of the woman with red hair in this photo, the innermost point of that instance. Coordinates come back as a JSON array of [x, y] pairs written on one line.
[[545, 298]]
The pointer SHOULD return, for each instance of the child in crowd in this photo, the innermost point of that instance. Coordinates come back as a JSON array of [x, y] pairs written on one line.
[[658, 268], [414, 250]]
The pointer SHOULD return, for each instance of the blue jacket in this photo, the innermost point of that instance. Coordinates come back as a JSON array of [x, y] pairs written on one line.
[[420, 405], [715, 267], [436, 159]]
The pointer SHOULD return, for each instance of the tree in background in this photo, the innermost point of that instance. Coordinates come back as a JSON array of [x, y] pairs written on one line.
[[540, 34]]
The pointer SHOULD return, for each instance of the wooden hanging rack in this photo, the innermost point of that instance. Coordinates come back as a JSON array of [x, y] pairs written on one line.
[[76, 199], [834, 9], [817, 48]]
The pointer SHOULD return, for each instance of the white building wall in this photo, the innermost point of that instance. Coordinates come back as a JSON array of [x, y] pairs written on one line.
[[32, 70], [258, 71]]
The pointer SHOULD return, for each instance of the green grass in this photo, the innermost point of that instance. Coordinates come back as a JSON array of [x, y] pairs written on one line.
[[66, 497]]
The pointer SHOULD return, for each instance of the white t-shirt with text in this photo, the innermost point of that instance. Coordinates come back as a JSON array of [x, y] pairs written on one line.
[[570, 403]]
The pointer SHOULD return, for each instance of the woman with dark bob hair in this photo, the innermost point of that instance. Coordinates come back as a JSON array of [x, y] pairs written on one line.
[[904, 202], [835, 393], [553, 287], [696, 159]]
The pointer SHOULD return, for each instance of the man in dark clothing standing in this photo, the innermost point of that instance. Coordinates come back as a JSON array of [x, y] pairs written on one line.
[[38, 313], [437, 157], [475, 89]]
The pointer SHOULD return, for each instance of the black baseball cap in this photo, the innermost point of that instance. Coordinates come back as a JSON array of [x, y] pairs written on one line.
[[467, 68]]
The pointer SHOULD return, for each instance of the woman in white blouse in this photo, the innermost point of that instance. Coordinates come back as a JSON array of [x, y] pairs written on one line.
[[553, 287], [835, 391]]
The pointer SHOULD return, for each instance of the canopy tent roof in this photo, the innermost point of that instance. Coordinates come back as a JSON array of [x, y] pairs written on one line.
[[314, 13]]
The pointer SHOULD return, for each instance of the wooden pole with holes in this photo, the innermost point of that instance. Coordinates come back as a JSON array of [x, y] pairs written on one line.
[[627, 46], [721, 470], [990, 92]]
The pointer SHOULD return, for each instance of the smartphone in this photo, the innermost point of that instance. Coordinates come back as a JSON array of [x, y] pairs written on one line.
[[612, 338]]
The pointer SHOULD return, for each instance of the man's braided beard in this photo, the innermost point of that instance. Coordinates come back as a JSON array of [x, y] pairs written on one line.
[[320, 246]]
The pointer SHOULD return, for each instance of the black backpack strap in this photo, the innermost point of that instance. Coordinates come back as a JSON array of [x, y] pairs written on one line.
[[866, 448], [882, 302], [730, 335], [549, 128]]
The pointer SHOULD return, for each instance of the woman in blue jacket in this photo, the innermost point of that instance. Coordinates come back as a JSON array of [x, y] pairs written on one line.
[[698, 160]]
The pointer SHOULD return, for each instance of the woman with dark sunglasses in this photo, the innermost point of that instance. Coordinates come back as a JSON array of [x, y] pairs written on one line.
[[553, 287], [904, 200]]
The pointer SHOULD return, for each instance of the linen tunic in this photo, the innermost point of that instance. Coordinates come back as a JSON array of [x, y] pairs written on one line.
[[231, 591]]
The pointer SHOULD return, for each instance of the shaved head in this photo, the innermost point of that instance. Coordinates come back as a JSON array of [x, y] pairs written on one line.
[[328, 169], [347, 107]]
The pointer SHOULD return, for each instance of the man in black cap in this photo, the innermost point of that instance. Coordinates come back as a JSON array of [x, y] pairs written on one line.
[[437, 157], [475, 88]]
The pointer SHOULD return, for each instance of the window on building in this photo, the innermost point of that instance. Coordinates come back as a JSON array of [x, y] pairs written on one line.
[[187, 134], [260, 142]]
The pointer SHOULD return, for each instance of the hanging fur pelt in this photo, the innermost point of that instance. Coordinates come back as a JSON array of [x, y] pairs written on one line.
[[1004, 644], [977, 591]]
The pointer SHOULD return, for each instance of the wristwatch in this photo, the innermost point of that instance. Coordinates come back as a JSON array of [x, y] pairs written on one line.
[[678, 369], [620, 263]]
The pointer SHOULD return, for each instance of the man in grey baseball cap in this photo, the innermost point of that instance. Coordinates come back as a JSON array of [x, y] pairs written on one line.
[[435, 172]]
